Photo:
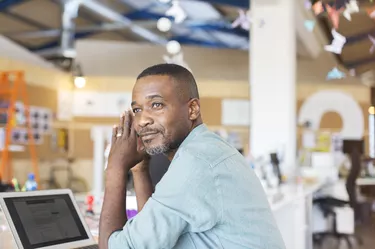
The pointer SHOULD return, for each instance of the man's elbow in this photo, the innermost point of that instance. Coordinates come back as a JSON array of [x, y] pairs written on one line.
[[117, 241]]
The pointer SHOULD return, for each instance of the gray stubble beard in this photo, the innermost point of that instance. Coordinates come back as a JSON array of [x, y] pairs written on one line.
[[161, 149]]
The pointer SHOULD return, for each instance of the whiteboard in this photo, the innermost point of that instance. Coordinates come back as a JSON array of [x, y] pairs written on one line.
[[117, 103], [97, 104], [88, 104], [235, 112]]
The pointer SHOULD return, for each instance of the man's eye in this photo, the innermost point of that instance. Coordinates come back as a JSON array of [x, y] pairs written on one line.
[[157, 105], [135, 110]]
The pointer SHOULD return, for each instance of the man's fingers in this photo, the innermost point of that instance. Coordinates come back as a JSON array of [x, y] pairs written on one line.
[[114, 133], [140, 146], [120, 129], [127, 124]]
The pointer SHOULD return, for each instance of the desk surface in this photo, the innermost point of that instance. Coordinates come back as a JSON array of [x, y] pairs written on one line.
[[281, 199], [288, 193]]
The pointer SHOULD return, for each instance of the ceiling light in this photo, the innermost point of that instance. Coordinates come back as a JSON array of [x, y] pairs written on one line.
[[164, 24], [80, 82], [173, 47]]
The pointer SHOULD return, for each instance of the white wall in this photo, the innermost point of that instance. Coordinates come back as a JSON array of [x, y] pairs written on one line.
[[9, 49]]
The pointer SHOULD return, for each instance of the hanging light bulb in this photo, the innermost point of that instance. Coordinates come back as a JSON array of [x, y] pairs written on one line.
[[173, 47], [80, 82], [164, 24]]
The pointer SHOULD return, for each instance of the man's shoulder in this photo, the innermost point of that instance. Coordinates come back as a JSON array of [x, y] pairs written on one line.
[[207, 148]]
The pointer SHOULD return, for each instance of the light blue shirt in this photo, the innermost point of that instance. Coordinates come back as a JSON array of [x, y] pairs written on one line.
[[209, 198]]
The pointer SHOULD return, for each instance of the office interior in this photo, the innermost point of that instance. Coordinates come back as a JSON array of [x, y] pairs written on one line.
[[289, 83]]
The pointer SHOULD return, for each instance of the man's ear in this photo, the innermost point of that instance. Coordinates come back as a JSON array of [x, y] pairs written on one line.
[[194, 109]]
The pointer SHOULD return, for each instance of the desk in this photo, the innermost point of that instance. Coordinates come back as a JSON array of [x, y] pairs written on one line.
[[291, 206], [293, 214]]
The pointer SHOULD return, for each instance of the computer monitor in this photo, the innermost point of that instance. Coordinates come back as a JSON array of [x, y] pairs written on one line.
[[45, 219]]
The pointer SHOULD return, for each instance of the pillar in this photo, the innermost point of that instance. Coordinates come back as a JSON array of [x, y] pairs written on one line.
[[273, 80], [99, 135]]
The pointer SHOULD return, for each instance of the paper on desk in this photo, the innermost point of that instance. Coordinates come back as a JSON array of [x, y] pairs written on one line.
[[345, 220]]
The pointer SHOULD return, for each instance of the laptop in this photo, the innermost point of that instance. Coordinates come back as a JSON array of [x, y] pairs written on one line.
[[46, 219]]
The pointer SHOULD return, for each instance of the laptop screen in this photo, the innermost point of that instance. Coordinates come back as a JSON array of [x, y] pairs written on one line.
[[45, 220]]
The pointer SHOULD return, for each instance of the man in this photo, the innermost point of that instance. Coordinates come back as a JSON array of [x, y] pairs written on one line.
[[209, 198]]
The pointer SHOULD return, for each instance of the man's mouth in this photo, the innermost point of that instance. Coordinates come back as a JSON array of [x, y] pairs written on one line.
[[148, 135]]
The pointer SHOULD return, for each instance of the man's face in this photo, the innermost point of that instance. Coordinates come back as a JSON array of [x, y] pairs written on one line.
[[161, 117]]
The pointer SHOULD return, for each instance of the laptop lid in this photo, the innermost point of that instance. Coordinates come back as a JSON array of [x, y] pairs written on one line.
[[45, 219]]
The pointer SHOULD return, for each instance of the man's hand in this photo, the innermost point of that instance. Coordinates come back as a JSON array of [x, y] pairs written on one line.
[[125, 149], [122, 157]]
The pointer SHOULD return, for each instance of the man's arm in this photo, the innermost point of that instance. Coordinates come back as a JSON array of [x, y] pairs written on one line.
[[122, 157], [113, 214], [186, 199], [142, 183]]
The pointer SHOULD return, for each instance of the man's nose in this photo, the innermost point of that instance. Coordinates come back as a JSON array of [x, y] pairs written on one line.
[[145, 120]]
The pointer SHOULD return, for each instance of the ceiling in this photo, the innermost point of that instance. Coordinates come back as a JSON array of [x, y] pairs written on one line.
[[356, 51], [36, 24]]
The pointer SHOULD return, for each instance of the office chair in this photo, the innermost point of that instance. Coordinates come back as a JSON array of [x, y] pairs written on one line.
[[328, 204]]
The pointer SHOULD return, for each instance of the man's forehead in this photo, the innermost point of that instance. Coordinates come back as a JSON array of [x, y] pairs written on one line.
[[160, 83], [153, 85]]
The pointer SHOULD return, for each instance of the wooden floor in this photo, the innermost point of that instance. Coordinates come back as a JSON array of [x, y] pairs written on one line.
[[365, 232]]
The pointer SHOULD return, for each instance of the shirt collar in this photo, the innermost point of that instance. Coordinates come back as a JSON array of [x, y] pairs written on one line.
[[193, 133]]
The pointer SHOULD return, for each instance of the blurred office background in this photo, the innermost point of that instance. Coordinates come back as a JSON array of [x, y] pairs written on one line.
[[289, 83]]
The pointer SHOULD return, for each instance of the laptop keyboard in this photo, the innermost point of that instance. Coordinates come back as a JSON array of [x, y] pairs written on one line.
[[89, 247]]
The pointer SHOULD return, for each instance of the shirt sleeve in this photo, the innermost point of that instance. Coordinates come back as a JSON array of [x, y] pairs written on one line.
[[185, 200]]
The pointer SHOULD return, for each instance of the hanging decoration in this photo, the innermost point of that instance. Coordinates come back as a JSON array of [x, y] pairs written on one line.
[[318, 8], [176, 12], [337, 43], [310, 25], [335, 74], [175, 54], [371, 11], [372, 39], [334, 16], [242, 20], [245, 20], [308, 4], [351, 7]]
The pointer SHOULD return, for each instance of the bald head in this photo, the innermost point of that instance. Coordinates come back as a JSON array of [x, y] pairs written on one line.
[[183, 79]]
